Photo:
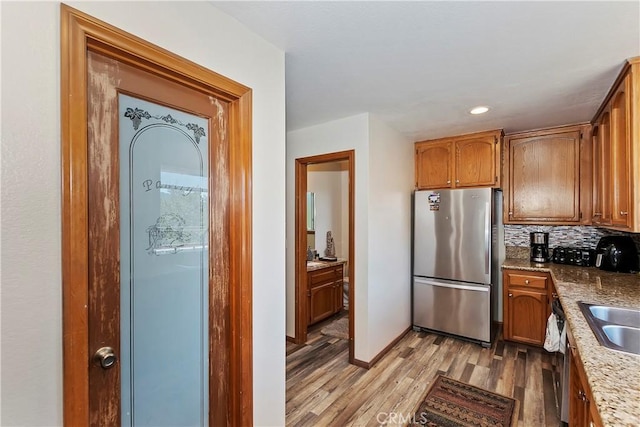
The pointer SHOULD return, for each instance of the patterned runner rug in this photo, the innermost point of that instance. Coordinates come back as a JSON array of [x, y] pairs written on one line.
[[450, 403]]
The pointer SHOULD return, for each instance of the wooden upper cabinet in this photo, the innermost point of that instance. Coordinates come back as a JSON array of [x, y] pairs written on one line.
[[433, 165], [620, 158], [546, 169], [616, 189], [475, 164], [601, 214], [471, 160]]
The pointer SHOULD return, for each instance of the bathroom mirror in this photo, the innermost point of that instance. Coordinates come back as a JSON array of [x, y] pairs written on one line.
[[311, 211]]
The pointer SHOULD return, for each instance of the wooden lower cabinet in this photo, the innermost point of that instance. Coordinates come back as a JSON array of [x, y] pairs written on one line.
[[526, 306], [582, 410], [324, 293]]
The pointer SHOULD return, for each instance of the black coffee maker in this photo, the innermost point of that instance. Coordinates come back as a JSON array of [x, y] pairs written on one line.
[[539, 247]]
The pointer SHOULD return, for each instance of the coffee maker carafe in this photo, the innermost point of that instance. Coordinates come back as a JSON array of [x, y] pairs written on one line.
[[539, 247]]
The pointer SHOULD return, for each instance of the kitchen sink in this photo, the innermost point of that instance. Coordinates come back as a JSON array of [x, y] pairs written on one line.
[[616, 328], [623, 336], [617, 315]]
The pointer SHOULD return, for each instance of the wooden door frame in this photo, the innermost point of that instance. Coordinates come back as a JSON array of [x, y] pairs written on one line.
[[79, 33], [301, 242]]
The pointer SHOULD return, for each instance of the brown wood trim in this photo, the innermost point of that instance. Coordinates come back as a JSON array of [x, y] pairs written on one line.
[[545, 131], [300, 261], [291, 339], [241, 272], [486, 133], [301, 240], [80, 32], [376, 359], [75, 251], [352, 254], [361, 364]]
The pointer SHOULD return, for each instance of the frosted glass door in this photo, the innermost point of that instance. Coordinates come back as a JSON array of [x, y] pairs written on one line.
[[164, 265]]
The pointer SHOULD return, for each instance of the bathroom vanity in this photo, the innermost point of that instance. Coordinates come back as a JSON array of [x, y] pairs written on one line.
[[324, 289]]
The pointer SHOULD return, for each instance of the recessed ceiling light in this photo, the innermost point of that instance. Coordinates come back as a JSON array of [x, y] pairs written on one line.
[[479, 110]]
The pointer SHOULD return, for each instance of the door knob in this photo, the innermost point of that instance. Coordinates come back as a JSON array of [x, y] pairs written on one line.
[[510, 295], [623, 213], [105, 357]]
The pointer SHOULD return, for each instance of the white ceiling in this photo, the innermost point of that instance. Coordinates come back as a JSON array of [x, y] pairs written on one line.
[[420, 66]]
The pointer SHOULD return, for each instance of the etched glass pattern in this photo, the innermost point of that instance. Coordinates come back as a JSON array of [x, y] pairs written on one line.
[[164, 265]]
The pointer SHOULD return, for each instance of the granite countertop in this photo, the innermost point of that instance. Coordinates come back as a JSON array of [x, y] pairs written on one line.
[[613, 376], [319, 265]]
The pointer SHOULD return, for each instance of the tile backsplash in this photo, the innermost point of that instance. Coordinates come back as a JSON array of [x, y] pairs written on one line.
[[566, 235]]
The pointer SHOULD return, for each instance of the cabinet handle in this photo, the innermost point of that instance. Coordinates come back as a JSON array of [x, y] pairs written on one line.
[[597, 214], [510, 295], [583, 396], [526, 281], [623, 213], [457, 181], [448, 181], [554, 295]]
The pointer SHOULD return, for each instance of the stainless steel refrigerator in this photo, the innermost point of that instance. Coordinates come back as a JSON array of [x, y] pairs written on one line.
[[456, 261]]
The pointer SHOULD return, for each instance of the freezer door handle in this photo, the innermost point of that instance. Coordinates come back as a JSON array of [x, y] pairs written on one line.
[[487, 236], [478, 288]]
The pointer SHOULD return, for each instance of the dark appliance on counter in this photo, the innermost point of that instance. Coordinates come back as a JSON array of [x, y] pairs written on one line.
[[617, 253], [574, 256], [539, 247]]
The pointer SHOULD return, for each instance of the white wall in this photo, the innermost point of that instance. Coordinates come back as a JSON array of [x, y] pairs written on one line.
[[351, 133], [383, 186], [391, 184], [332, 208], [31, 310]]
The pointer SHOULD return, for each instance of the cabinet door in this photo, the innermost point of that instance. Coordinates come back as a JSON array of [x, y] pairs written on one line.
[[338, 302], [322, 302], [433, 165], [620, 154], [602, 172], [544, 178], [526, 316], [475, 162], [578, 405]]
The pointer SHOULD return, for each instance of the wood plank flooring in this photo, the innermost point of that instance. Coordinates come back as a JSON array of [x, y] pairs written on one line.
[[324, 390]]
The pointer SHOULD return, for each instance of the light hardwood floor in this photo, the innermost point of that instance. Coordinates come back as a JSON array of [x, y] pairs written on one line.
[[324, 390]]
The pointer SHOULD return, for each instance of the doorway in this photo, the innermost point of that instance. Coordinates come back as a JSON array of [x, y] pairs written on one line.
[[301, 220], [162, 216]]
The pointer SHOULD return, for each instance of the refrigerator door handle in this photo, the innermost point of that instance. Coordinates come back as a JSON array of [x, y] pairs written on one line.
[[487, 237], [479, 288]]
